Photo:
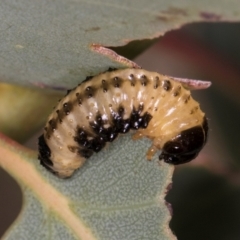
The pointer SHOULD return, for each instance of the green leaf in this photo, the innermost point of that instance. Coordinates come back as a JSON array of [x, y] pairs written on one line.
[[56, 44], [117, 194]]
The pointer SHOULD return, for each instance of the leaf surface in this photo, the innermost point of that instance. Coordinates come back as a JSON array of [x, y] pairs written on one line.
[[117, 194], [56, 44]]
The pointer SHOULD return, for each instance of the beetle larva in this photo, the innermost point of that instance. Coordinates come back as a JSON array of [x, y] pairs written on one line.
[[100, 108]]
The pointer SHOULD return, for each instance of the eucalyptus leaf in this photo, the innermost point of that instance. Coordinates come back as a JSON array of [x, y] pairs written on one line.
[[117, 194], [51, 43]]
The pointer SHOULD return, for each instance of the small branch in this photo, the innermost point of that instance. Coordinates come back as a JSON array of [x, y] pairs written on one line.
[[113, 55], [193, 84]]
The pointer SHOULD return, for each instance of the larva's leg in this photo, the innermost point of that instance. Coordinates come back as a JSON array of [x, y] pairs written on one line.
[[151, 151], [138, 135]]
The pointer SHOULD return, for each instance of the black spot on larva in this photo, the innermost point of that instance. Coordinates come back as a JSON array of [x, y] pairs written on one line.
[[144, 80], [156, 83], [193, 110], [96, 144], [90, 91], [136, 118], [111, 69], [44, 151], [139, 121], [53, 124], [132, 80], [44, 154], [177, 91], [186, 98], [117, 82], [104, 85], [107, 134], [88, 146], [131, 76], [81, 137], [146, 119], [86, 79], [167, 85], [60, 115], [67, 107], [86, 153], [79, 98], [121, 125]]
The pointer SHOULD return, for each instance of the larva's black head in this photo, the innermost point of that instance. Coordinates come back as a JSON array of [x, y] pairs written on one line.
[[185, 146]]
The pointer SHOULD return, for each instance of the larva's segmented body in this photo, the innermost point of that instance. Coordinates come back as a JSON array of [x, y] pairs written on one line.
[[114, 102]]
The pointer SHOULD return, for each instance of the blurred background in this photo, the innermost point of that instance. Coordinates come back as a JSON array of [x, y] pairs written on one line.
[[205, 195]]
